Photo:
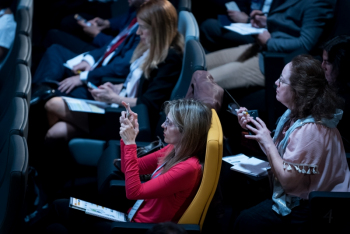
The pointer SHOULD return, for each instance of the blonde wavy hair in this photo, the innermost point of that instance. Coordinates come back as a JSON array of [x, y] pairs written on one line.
[[161, 17]]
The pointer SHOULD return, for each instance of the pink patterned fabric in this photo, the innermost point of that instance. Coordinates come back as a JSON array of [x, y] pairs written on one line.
[[316, 146]]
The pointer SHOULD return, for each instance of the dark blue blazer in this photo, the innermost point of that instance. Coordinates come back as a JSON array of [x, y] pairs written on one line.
[[298, 24], [119, 65]]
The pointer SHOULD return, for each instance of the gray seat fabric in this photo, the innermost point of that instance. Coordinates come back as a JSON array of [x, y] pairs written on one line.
[[13, 179], [14, 120], [7, 81], [23, 82], [26, 4], [24, 50], [24, 23], [188, 26], [194, 59], [19, 120], [86, 152]]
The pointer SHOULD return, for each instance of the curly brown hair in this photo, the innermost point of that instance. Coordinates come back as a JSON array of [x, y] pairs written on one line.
[[311, 92]]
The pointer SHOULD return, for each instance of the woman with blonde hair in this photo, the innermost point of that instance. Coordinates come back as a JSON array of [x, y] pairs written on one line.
[[176, 169], [154, 71]]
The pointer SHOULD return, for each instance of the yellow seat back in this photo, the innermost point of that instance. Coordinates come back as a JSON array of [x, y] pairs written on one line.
[[197, 210]]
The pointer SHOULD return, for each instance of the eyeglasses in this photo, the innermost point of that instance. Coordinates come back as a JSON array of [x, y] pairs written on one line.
[[281, 81], [168, 123]]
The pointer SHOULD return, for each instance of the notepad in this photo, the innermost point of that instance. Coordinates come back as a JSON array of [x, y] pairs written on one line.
[[87, 106], [252, 166], [244, 29], [235, 159], [97, 210]]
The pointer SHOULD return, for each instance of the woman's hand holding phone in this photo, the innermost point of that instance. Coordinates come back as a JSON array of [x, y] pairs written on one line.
[[243, 117], [129, 126]]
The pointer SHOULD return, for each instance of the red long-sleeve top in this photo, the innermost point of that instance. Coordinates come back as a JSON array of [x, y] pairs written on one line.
[[167, 196]]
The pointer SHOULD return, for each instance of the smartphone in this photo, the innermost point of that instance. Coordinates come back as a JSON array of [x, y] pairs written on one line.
[[79, 18], [232, 6], [254, 114], [127, 111], [91, 85]]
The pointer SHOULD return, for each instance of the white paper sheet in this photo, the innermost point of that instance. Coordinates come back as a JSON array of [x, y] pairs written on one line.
[[104, 212], [97, 210], [74, 61], [252, 166], [244, 29], [235, 158]]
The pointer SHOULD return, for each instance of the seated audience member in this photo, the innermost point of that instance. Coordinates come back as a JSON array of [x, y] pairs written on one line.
[[291, 26], [336, 59], [7, 28], [155, 69], [93, 36], [110, 60], [215, 37], [177, 168], [52, 12], [305, 154]]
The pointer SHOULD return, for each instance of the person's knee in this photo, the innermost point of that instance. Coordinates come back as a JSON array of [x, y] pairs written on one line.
[[57, 132], [55, 105], [54, 49], [211, 27]]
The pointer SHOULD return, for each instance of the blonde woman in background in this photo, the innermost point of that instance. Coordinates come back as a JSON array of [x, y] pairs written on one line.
[[154, 71]]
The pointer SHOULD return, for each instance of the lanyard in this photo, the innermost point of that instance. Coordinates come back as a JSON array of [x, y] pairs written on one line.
[[157, 170], [138, 203]]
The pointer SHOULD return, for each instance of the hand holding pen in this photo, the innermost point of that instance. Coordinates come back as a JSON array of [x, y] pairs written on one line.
[[258, 19], [243, 117]]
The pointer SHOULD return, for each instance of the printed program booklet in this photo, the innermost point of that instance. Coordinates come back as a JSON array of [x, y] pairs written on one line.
[[248, 165], [96, 210], [88, 106]]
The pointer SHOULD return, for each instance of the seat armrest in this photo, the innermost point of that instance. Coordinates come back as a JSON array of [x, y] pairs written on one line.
[[117, 183], [138, 228], [113, 80], [328, 195], [327, 211], [86, 151]]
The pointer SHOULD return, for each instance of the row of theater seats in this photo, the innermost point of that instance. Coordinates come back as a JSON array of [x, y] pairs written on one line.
[[15, 96], [89, 152], [15, 87]]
